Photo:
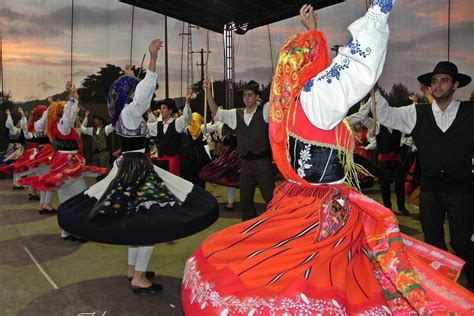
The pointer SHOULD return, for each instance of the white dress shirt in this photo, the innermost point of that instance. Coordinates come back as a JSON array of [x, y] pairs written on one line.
[[404, 118], [180, 123], [89, 130], [229, 117]]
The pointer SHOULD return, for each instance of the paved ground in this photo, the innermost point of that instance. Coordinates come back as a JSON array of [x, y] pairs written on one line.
[[40, 274]]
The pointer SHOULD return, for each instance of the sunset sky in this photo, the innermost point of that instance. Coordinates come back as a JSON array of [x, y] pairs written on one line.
[[36, 42]]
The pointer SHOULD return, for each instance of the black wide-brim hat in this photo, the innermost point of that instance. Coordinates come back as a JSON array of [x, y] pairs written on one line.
[[170, 103], [252, 86], [445, 67], [100, 118]]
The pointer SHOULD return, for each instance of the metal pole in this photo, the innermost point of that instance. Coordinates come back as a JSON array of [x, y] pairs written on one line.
[[1, 65], [449, 28], [131, 36], [72, 34], [271, 48], [167, 88]]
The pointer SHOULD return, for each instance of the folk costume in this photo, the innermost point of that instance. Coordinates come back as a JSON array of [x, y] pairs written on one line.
[[137, 203], [193, 152], [68, 165], [321, 247], [225, 169], [15, 146], [167, 136], [39, 151]]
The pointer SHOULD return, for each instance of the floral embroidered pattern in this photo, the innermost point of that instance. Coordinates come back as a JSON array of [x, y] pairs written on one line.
[[204, 294], [354, 45], [302, 161], [334, 72], [385, 5], [308, 85]]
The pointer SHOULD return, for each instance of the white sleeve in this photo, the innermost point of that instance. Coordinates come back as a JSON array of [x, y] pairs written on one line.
[[183, 121], [108, 129], [9, 124], [132, 112], [210, 128], [402, 118], [40, 124], [24, 127], [353, 72], [67, 121], [360, 116], [228, 117], [265, 112], [84, 129], [152, 128], [151, 118]]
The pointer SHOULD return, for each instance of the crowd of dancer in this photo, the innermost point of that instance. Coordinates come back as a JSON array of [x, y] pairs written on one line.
[[321, 247]]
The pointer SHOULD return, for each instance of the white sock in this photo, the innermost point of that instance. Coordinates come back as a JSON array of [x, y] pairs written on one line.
[[143, 257], [230, 195], [48, 196], [132, 255]]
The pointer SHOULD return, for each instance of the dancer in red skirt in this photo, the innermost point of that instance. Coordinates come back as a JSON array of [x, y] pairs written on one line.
[[321, 248], [68, 167]]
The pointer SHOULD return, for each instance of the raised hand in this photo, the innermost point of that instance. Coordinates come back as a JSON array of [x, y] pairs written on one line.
[[20, 110], [190, 95], [71, 90], [308, 17], [128, 70], [413, 98], [205, 84], [155, 46]]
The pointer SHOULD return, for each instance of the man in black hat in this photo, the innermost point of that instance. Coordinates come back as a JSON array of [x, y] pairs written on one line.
[[167, 133], [251, 127], [443, 133], [99, 134]]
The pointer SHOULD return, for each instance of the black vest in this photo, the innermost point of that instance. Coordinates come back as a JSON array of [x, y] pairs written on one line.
[[252, 140], [169, 143], [388, 142], [445, 158]]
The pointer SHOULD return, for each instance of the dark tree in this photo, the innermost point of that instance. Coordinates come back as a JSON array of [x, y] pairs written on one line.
[[95, 87]]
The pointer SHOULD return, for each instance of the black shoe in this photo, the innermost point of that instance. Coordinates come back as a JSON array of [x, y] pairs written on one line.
[[18, 187], [148, 275], [154, 288], [48, 212], [75, 238], [33, 197], [403, 211]]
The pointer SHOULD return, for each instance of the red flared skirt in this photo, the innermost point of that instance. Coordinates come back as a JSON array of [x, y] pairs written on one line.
[[31, 159], [224, 170], [324, 250], [64, 166]]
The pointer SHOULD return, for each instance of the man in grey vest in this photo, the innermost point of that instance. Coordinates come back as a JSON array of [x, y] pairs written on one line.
[[443, 133], [251, 128], [99, 133]]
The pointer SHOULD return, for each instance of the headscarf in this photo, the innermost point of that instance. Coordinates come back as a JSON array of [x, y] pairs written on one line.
[[55, 111], [194, 127], [35, 115], [119, 94]]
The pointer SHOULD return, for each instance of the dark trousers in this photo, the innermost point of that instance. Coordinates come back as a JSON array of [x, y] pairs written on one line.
[[434, 205], [101, 159], [395, 169], [252, 173]]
